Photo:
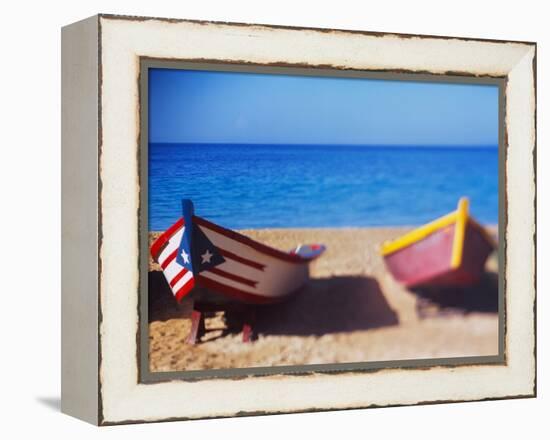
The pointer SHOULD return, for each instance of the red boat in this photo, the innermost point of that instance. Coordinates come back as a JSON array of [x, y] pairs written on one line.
[[448, 252]]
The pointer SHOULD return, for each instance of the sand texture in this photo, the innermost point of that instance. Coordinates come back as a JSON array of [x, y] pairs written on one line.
[[351, 311]]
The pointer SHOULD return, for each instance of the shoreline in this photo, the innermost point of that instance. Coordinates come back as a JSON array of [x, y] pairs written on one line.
[[287, 238], [491, 227]]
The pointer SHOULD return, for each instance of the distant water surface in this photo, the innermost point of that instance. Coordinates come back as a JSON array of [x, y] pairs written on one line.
[[297, 186]]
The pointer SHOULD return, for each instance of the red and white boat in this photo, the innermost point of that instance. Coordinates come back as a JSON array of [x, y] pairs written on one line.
[[196, 252]]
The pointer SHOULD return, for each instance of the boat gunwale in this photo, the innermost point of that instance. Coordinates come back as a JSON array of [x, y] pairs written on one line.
[[247, 241], [158, 244], [422, 232], [417, 234]]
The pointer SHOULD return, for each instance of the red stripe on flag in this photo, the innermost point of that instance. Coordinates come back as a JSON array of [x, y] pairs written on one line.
[[237, 294], [178, 277], [160, 242], [185, 289], [169, 259], [240, 259], [230, 276]]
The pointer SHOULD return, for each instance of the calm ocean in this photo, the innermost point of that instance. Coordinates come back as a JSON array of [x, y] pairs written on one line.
[[293, 186]]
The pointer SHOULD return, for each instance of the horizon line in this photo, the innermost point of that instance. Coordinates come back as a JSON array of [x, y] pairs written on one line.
[[331, 144]]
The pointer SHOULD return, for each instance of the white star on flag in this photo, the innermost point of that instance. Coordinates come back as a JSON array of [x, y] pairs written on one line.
[[206, 257], [185, 256]]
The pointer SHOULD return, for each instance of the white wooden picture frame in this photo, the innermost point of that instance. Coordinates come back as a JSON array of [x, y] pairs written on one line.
[[101, 59]]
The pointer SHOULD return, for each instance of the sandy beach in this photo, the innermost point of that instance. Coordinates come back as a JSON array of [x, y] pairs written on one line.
[[351, 311]]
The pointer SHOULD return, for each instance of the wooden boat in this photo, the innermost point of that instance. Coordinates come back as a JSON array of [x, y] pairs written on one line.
[[450, 251], [195, 252]]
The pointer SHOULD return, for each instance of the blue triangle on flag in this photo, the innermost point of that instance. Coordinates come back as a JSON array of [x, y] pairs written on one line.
[[205, 254], [196, 252]]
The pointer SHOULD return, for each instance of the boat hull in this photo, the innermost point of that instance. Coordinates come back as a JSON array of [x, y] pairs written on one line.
[[252, 272], [428, 262]]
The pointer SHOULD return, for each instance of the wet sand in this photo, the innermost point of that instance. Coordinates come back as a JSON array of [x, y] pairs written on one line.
[[351, 311]]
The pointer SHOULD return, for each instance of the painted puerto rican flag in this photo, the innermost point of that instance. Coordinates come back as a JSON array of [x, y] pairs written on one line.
[[184, 251]]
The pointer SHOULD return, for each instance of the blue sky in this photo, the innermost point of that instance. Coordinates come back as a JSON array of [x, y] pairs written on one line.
[[224, 107]]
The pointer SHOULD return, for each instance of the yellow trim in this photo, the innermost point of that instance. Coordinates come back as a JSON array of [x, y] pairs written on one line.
[[418, 234], [460, 232]]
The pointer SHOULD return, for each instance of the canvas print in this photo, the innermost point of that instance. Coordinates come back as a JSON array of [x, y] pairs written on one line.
[[311, 220]]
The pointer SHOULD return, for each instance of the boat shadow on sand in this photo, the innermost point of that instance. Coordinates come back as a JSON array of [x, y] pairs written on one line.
[[482, 298], [329, 305], [323, 306]]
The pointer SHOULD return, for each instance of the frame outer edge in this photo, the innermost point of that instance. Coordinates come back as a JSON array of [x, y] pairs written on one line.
[[535, 70], [79, 224], [108, 420]]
